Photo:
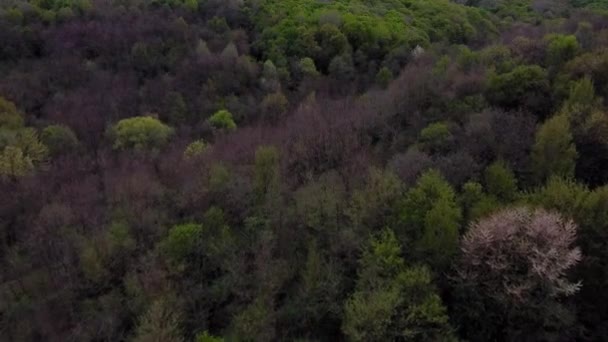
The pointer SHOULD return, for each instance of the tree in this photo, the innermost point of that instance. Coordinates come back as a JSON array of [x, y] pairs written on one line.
[[13, 163], [384, 77], [554, 153], [500, 181], [525, 86], [59, 139], [182, 242], [267, 173], [10, 117], [512, 275], [430, 220], [160, 323], [392, 301], [222, 120], [273, 106], [140, 133], [230, 53], [195, 149], [22, 152], [177, 110], [561, 49], [435, 137], [206, 337], [307, 67], [342, 68]]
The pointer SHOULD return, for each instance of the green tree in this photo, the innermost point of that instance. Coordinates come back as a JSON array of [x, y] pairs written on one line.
[[377, 204], [13, 163], [195, 149], [222, 120], [430, 219], [392, 301], [160, 323], [182, 242], [554, 152], [307, 67], [561, 48], [435, 137], [384, 77], [267, 172], [206, 337], [274, 106], [10, 117], [230, 52], [177, 110], [140, 133], [500, 181], [59, 139], [526, 85]]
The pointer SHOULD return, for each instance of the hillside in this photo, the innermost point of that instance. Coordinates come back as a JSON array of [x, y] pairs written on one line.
[[303, 170]]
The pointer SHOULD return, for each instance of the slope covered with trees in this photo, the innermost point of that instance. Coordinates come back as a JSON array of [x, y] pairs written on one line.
[[266, 170]]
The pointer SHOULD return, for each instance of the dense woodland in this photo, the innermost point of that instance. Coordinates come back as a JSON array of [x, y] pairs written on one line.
[[304, 170]]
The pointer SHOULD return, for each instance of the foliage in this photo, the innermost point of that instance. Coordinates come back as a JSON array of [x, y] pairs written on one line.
[[370, 135], [222, 120], [59, 139], [140, 133], [430, 219], [195, 149], [514, 263], [393, 301], [159, 323], [553, 152], [525, 86]]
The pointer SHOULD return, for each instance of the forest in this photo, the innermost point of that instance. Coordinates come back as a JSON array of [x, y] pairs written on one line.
[[304, 170]]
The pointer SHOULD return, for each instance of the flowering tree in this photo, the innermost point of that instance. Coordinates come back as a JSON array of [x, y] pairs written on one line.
[[513, 272]]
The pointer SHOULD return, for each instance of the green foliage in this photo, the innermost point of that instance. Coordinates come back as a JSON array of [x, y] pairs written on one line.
[[182, 241], [342, 68], [206, 337], [202, 49], [526, 85], [230, 52], [430, 219], [393, 301], [140, 133], [10, 117], [21, 152], [273, 106], [554, 153], [195, 149], [222, 120], [254, 323], [584, 34], [318, 203], [267, 171], [561, 48], [500, 181], [435, 137], [307, 67], [376, 205], [92, 263], [59, 139], [160, 323], [177, 108], [13, 163], [297, 28], [384, 77]]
